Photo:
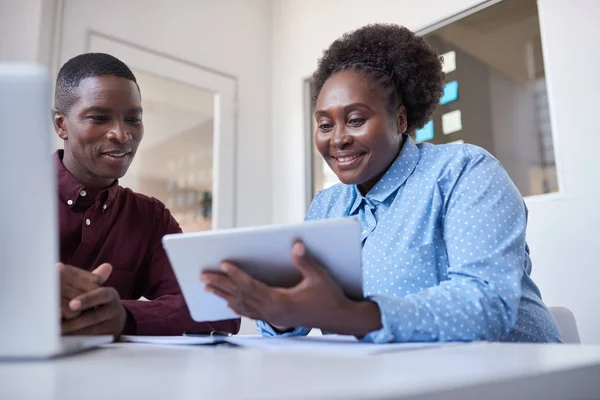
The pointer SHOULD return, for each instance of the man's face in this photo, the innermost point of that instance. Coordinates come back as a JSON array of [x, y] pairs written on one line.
[[103, 129]]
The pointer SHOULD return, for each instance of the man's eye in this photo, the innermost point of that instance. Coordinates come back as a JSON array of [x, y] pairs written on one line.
[[325, 127], [134, 120], [98, 118]]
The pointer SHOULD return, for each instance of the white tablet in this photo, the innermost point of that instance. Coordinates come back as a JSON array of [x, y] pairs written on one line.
[[265, 254]]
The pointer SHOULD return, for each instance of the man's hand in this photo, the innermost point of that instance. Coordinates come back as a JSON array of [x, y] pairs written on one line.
[[87, 308], [76, 281]]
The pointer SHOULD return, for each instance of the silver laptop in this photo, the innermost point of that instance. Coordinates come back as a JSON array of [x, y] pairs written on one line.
[[29, 284]]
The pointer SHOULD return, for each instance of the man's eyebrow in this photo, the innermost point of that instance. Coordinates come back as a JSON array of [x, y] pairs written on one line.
[[106, 110], [98, 109]]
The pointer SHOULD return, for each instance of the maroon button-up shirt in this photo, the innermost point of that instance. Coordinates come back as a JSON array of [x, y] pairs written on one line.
[[125, 229]]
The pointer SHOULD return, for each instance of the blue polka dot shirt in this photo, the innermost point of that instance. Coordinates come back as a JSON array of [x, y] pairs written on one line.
[[444, 253]]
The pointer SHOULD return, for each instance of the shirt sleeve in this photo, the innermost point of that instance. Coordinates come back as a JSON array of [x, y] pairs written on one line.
[[484, 233], [265, 329], [166, 312]]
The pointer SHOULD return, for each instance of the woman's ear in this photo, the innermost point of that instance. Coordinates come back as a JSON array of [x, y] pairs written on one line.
[[402, 120], [60, 123]]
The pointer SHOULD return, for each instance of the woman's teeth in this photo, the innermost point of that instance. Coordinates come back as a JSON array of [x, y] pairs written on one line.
[[349, 158]]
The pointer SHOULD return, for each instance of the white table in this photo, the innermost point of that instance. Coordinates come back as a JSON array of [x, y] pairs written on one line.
[[480, 370]]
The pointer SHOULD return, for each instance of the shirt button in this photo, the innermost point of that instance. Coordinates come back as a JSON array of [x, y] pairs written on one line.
[[104, 207], [70, 202], [88, 222], [83, 193]]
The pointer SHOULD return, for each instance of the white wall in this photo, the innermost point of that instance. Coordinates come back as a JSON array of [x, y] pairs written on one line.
[[26, 30], [27, 35], [232, 37], [562, 232], [16, 43]]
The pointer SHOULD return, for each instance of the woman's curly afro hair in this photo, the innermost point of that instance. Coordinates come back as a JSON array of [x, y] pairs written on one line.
[[411, 67]]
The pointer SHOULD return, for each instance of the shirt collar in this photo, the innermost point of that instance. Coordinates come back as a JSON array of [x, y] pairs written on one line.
[[69, 188], [400, 170]]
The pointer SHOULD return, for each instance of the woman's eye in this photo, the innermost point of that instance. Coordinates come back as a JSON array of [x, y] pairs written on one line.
[[325, 127], [356, 121], [134, 120]]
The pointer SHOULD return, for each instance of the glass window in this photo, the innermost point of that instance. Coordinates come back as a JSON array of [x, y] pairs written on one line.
[[174, 160], [495, 95]]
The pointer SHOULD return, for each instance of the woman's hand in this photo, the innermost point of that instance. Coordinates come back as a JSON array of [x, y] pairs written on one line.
[[316, 302]]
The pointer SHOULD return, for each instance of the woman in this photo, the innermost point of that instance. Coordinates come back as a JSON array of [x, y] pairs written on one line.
[[444, 252]]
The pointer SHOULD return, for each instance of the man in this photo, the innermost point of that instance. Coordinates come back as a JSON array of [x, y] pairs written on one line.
[[111, 252]]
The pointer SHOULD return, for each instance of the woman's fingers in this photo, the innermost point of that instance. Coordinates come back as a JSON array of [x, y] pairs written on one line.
[[220, 281]]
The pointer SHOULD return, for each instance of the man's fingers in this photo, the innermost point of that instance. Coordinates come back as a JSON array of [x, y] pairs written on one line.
[[103, 271], [65, 311], [81, 274], [304, 261], [91, 319], [75, 281], [102, 328], [69, 292], [95, 298], [78, 278]]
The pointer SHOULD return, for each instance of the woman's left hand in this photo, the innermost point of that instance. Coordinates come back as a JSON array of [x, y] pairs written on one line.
[[316, 302]]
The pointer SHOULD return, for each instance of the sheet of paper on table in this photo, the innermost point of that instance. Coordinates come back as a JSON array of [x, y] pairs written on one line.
[[326, 344], [172, 340]]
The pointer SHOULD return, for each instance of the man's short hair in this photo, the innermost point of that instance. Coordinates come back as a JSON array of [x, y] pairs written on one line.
[[88, 65]]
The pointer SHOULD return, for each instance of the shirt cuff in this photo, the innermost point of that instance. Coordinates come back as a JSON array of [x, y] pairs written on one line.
[[130, 327], [266, 330], [136, 324], [398, 320]]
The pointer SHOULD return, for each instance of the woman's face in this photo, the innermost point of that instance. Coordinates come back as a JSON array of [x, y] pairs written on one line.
[[356, 135]]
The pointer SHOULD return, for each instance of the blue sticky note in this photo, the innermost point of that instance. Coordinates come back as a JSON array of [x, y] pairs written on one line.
[[450, 93], [425, 133]]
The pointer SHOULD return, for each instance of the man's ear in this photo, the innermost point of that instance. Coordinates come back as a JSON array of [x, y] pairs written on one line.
[[60, 124], [402, 121]]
